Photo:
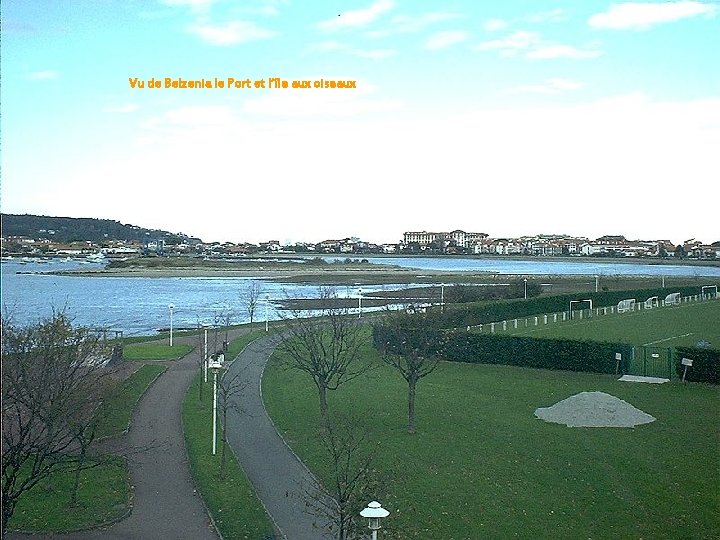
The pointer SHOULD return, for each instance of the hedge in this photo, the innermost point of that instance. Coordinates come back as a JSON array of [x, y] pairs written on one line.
[[486, 312], [705, 367], [563, 354]]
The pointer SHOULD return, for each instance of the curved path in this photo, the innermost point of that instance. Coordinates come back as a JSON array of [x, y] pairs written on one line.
[[280, 479], [165, 504]]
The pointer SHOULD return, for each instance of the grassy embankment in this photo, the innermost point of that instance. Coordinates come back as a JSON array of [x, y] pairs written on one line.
[[236, 510], [155, 350], [104, 494], [482, 466]]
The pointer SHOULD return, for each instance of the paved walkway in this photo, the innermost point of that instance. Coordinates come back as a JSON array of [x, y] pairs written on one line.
[[165, 504], [280, 479]]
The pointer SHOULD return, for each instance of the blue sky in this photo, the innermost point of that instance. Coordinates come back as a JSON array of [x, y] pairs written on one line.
[[510, 118]]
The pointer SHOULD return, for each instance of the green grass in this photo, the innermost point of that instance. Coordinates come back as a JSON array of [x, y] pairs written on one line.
[[103, 498], [681, 325], [116, 413], [236, 510], [482, 466], [155, 351]]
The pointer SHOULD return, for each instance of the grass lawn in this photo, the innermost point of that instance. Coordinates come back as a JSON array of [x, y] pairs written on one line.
[[680, 325], [482, 466], [103, 497], [116, 413], [104, 492], [231, 500], [155, 351]]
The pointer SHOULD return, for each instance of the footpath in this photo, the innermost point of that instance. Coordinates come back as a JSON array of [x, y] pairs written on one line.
[[281, 480], [165, 504]]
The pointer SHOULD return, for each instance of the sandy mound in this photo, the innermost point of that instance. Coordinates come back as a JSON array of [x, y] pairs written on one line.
[[594, 409]]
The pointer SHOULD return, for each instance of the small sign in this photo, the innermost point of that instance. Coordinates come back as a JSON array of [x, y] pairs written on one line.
[[687, 361], [618, 356]]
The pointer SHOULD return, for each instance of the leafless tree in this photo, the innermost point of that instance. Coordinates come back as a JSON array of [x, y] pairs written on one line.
[[228, 387], [52, 385], [250, 298], [326, 347], [408, 343], [201, 349], [353, 479]]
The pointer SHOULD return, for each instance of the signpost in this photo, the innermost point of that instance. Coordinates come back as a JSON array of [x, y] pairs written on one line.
[[686, 362], [618, 359]]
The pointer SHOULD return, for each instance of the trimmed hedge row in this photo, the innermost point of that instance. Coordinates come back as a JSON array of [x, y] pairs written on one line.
[[706, 364], [563, 354], [482, 313]]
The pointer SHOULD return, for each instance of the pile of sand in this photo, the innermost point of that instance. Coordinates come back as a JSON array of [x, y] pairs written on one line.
[[594, 409]]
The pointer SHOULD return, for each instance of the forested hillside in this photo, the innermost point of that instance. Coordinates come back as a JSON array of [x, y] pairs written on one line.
[[65, 229]]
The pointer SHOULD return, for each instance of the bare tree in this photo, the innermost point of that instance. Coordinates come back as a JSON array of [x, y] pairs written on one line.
[[52, 385], [201, 349], [228, 387], [326, 347], [250, 297], [408, 343], [353, 480]]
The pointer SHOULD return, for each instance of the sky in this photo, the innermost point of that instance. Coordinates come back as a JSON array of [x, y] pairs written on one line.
[[509, 118]]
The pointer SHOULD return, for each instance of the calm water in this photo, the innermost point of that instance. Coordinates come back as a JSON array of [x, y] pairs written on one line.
[[546, 267], [139, 305]]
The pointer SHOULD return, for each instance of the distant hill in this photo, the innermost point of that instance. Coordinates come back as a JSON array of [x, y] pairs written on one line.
[[65, 229]]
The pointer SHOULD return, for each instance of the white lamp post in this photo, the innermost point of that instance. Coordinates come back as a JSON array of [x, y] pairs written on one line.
[[267, 304], [359, 303], [171, 307], [205, 358], [374, 513], [525, 280], [215, 366], [442, 297]]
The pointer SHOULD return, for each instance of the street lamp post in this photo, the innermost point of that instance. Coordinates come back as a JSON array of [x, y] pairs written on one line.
[[215, 366], [525, 281], [359, 303], [267, 304], [171, 307], [374, 513], [205, 357], [442, 297]]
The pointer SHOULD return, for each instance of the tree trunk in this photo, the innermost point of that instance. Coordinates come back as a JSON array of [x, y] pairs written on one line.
[[223, 440], [322, 391], [412, 382]]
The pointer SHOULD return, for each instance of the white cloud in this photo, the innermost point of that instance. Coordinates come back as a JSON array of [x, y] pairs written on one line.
[[510, 45], [45, 75], [641, 16], [442, 40], [122, 109], [324, 103], [336, 46], [549, 87], [563, 51], [405, 24], [494, 25], [230, 33], [554, 15], [358, 17], [531, 45]]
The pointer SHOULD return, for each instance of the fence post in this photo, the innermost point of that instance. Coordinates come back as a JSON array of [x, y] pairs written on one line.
[[554, 317], [492, 327], [536, 320], [515, 323], [544, 319], [504, 325]]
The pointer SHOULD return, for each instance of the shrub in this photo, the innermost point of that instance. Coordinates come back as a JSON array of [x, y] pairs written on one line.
[[481, 313], [563, 354], [706, 364]]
